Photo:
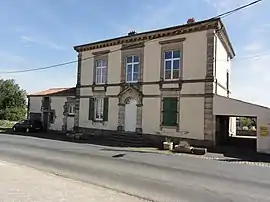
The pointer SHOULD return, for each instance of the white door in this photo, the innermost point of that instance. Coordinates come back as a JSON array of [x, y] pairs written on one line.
[[131, 116]]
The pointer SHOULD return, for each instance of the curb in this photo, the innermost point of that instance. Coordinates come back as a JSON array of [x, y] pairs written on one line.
[[220, 159]]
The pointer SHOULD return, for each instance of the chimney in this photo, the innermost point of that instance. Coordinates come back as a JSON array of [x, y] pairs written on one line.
[[191, 20], [133, 32]]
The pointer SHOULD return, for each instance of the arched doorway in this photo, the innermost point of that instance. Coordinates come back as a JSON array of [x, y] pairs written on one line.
[[130, 115]]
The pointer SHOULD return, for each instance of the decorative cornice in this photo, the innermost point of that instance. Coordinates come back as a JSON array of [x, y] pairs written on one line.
[[142, 37], [224, 38]]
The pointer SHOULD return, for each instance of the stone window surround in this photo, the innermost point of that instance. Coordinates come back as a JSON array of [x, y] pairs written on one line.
[[99, 94], [125, 52], [170, 45], [170, 94], [100, 55]]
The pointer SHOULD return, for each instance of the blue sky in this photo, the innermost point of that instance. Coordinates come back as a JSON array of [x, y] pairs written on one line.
[[37, 33]]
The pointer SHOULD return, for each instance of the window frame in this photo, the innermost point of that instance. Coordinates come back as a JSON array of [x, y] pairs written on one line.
[[172, 59], [132, 63], [169, 45], [71, 106], [103, 66], [98, 107], [164, 125]]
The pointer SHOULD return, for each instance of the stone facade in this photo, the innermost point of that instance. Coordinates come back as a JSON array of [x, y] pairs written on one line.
[[208, 100]]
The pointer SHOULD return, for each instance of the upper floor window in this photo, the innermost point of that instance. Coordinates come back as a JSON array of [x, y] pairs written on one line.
[[101, 71], [132, 68], [172, 64]]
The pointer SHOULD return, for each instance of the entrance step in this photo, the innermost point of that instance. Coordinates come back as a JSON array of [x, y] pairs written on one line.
[[127, 139]]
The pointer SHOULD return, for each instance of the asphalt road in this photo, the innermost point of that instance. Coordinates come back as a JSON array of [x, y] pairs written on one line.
[[157, 177]]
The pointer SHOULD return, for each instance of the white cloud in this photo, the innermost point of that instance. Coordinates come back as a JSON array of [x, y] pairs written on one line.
[[41, 41]]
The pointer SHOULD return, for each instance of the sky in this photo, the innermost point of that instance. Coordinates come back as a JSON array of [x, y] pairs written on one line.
[[38, 33]]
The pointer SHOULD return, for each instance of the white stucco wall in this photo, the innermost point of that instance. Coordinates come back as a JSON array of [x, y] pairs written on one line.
[[194, 56], [35, 104], [191, 118], [223, 64], [112, 115]]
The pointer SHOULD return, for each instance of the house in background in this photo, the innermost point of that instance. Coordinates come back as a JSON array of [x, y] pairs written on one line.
[[55, 107]]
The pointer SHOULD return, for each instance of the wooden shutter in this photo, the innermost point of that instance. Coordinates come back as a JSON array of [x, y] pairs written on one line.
[[91, 108], [105, 109], [170, 111]]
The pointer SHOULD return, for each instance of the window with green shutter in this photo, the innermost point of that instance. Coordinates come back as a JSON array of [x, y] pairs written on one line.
[[105, 109], [91, 111], [170, 111], [98, 109]]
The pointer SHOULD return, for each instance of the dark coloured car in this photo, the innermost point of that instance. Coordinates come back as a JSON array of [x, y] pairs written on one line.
[[28, 126]]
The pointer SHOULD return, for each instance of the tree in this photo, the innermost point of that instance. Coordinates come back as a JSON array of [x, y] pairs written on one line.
[[248, 122], [12, 101]]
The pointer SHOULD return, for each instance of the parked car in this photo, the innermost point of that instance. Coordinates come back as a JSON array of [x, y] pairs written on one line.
[[28, 126]]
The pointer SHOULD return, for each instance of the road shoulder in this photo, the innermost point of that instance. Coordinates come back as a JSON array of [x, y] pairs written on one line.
[[20, 183]]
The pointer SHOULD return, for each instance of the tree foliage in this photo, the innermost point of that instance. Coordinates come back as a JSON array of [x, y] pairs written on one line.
[[248, 122], [12, 100]]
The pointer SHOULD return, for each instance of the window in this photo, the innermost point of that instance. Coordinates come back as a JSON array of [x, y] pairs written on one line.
[[52, 116], [71, 109], [98, 109], [101, 71], [227, 80], [170, 111], [171, 64], [132, 68]]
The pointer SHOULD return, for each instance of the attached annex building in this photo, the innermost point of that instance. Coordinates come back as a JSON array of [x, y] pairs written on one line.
[[167, 82]]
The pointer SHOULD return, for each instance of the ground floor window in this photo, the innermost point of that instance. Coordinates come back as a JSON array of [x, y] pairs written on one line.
[[98, 109], [170, 112], [71, 109], [52, 116]]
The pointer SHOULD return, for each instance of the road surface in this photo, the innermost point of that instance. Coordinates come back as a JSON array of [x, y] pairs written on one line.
[[155, 177]]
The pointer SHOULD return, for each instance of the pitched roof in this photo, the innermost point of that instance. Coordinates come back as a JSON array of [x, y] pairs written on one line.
[[55, 92]]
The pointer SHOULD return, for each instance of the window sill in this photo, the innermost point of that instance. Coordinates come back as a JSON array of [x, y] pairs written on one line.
[[132, 82], [71, 115], [171, 79]]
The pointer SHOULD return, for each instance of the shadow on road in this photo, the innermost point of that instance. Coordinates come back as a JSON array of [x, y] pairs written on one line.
[[229, 154], [234, 154], [95, 140]]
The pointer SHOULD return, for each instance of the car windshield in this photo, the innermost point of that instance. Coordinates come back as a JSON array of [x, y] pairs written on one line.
[[24, 122]]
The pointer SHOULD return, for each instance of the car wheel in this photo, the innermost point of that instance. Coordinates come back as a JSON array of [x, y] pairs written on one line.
[[14, 129], [27, 130]]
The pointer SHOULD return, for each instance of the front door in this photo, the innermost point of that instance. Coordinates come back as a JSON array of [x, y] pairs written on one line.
[[130, 116]]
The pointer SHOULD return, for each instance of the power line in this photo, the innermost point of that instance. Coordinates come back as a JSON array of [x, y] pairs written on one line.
[[237, 9], [222, 15]]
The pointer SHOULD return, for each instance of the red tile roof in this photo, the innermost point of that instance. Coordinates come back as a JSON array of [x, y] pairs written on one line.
[[55, 91]]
